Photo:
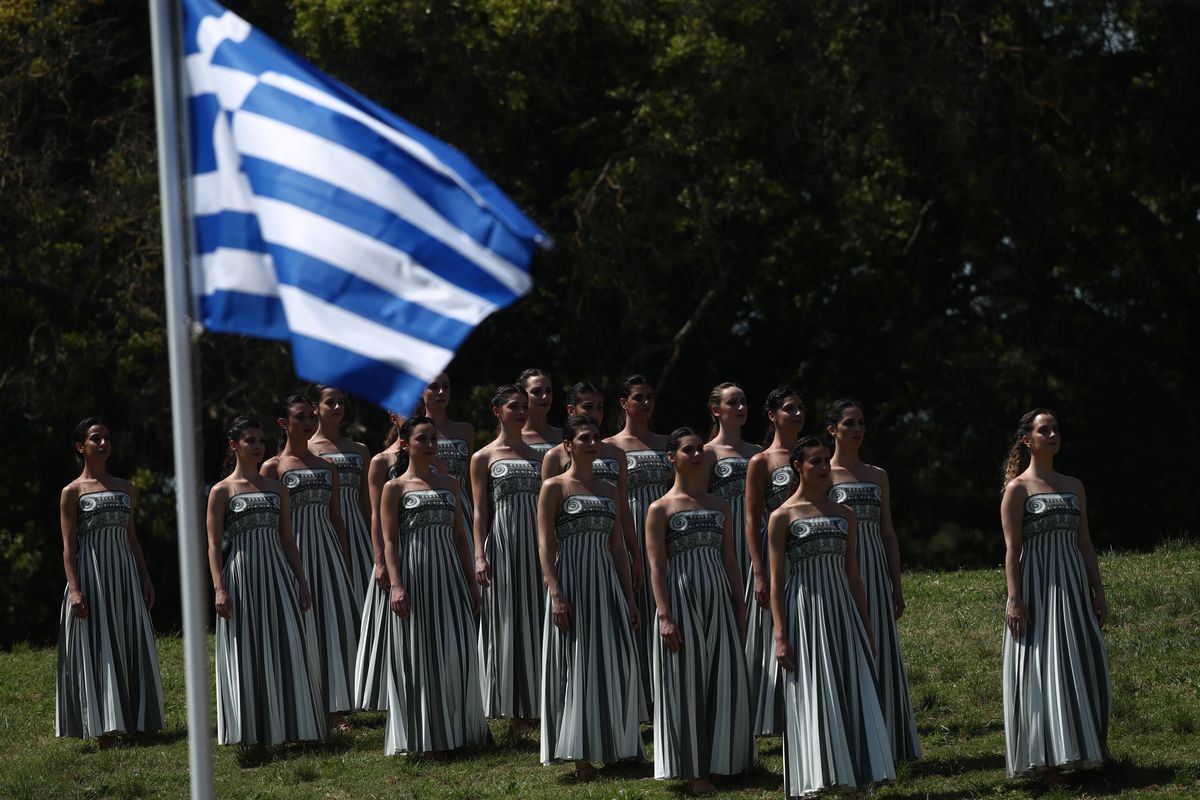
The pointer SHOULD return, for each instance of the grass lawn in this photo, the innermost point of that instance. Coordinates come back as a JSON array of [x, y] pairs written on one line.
[[951, 636]]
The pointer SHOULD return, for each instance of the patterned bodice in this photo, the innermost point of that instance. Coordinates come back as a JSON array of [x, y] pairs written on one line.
[[583, 514], [510, 477], [252, 511], [308, 487], [648, 467], [102, 510], [865, 498], [729, 478], [425, 509], [780, 487], [455, 453], [694, 528], [349, 468], [812, 537], [607, 469], [542, 447], [1050, 512]]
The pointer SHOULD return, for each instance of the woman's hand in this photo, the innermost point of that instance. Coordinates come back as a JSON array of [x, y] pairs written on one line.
[[762, 589], [783, 653], [399, 601], [222, 605], [898, 602], [148, 593], [669, 631], [560, 610], [483, 570], [79, 605], [381, 574], [305, 596], [1017, 618], [1100, 608]]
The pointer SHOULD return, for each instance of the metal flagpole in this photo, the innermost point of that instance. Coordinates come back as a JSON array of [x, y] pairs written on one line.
[[163, 39]]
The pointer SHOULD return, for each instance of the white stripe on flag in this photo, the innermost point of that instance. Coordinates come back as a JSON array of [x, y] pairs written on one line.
[[226, 269]]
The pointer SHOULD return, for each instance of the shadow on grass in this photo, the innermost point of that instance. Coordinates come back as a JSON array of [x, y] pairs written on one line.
[[1119, 776], [369, 719], [154, 738], [948, 766], [261, 755]]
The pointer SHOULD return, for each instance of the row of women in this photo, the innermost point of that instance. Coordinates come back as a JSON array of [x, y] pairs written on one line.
[[715, 589]]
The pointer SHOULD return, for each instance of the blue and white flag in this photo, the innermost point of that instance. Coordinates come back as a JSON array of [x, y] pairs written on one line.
[[324, 220]]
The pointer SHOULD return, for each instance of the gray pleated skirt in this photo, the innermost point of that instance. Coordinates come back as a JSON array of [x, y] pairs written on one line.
[[370, 664], [762, 669]]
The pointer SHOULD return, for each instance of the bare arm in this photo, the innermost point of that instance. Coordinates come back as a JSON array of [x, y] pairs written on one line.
[[462, 544], [548, 501], [554, 462], [1011, 510], [215, 522], [364, 498], [376, 478], [756, 485], [287, 541], [777, 532], [656, 554], [1091, 562], [389, 519], [67, 503], [854, 579], [335, 516], [483, 521], [891, 545], [733, 571]]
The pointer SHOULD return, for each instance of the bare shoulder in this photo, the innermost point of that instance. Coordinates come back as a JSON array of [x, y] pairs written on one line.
[[70, 493], [358, 447], [1016, 491], [446, 482], [483, 455], [221, 492], [272, 485], [877, 474], [270, 467], [123, 485], [718, 504], [1072, 485], [657, 441]]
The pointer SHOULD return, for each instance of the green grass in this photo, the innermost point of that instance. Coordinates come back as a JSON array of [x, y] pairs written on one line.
[[951, 636]]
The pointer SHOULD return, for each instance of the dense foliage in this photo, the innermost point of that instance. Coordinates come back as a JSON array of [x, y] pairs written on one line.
[[953, 211]]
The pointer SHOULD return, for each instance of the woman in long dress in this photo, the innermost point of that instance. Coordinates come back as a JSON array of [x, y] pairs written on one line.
[[350, 459], [769, 481], [107, 681], [589, 706], [455, 440], [538, 433], [834, 734], [701, 694], [648, 476], [865, 488], [267, 689], [506, 478], [728, 457], [1057, 690], [312, 485], [434, 701]]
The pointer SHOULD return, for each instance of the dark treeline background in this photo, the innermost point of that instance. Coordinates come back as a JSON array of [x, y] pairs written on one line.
[[952, 210]]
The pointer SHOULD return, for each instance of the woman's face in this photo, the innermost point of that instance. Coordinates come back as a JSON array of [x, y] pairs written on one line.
[[590, 404], [437, 393], [541, 394], [640, 403], [689, 455], [514, 410], [813, 466], [251, 446], [730, 410], [851, 428], [332, 405], [585, 443], [96, 443], [422, 442], [1045, 436], [790, 414], [301, 421]]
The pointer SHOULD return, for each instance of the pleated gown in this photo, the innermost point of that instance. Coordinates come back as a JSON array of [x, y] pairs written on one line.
[[349, 467], [589, 707], [370, 662], [433, 676], [701, 694], [1057, 690], [267, 676], [510, 632], [108, 679], [648, 477], [729, 483], [457, 456], [766, 676], [335, 616], [834, 734], [867, 501]]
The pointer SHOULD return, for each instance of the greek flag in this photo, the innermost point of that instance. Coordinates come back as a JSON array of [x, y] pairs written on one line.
[[324, 220]]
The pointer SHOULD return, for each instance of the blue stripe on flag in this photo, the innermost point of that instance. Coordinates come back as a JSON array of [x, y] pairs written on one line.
[[389, 386], [247, 314], [326, 200], [202, 116], [232, 229]]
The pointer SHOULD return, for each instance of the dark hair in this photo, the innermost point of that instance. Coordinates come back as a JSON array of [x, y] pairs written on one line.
[[834, 415], [1018, 452], [404, 433], [624, 389], [583, 387], [714, 399], [772, 403], [803, 445], [79, 435], [675, 437], [533, 372], [234, 433], [286, 409], [501, 394], [574, 423]]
